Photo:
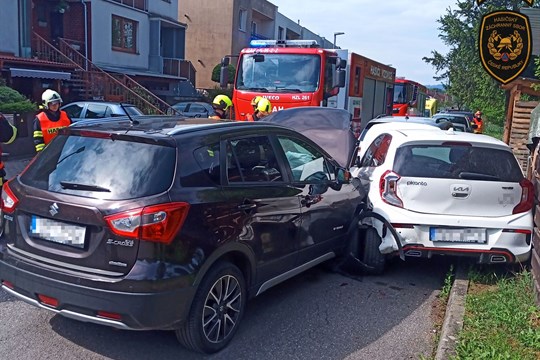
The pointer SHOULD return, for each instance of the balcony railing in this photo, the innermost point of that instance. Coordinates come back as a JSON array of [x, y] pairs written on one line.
[[179, 67], [255, 36]]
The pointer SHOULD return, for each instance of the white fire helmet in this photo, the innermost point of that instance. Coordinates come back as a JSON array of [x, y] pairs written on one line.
[[50, 96]]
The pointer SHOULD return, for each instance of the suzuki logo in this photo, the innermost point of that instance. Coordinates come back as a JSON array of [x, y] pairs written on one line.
[[53, 209], [460, 191]]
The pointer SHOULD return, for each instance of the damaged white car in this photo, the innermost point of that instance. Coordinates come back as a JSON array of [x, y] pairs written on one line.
[[434, 192]]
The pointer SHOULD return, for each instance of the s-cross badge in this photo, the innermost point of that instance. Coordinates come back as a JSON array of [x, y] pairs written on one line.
[[53, 209]]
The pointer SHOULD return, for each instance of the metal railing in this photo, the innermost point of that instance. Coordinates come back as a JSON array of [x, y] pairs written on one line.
[[97, 83], [179, 67]]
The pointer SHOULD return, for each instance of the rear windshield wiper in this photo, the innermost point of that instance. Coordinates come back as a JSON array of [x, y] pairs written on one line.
[[477, 176], [82, 187]]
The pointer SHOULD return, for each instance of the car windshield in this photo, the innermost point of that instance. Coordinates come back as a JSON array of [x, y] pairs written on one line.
[[457, 162], [279, 72], [102, 168]]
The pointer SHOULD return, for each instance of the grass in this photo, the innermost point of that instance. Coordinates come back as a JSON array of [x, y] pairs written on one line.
[[447, 286], [494, 130], [501, 318]]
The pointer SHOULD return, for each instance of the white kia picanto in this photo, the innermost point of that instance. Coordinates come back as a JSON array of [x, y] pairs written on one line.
[[443, 192]]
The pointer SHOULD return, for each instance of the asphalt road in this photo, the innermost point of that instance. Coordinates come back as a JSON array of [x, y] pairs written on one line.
[[316, 315]]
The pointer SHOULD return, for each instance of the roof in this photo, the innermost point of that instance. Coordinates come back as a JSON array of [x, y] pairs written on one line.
[[428, 135]]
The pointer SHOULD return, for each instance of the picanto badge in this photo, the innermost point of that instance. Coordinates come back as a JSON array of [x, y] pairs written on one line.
[[505, 44]]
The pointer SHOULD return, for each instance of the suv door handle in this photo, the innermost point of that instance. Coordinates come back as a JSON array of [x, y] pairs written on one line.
[[309, 200], [247, 207]]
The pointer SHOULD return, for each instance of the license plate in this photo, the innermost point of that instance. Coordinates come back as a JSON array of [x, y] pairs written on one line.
[[57, 231], [460, 235]]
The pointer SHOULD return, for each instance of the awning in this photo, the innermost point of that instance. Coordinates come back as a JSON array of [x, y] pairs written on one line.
[[40, 74]]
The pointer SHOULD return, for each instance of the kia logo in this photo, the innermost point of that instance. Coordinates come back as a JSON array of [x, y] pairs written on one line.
[[460, 191]]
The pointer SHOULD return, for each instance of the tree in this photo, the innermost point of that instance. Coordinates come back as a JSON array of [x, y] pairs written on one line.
[[461, 69], [216, 72]]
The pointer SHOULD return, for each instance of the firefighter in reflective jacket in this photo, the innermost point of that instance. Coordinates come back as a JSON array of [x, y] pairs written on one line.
[[50, 120], [254, 102], [221, 104], [263, 109], [8, 133], [477, 120]]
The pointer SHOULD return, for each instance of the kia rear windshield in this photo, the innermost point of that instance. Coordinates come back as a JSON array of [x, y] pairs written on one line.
[[457, 162], [102, 168]]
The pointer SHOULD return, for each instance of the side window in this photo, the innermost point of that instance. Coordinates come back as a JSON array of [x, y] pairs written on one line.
[[377, 151], [207, 157], [306, 163], [74, 111], [196, 108], [252, 160], [95, 111]]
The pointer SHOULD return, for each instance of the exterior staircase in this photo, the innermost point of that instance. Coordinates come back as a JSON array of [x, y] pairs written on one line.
[[91, 82]]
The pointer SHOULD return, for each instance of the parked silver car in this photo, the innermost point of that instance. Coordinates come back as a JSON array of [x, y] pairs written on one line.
[[193, 109], [82, 110]]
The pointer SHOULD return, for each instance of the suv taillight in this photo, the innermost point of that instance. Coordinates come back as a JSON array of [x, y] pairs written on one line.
[[158, 223], [9, 201], [388, 188], [527, 197]]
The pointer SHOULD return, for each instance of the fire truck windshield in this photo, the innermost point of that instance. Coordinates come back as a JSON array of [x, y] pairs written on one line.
[[279, 73], [400, 93]]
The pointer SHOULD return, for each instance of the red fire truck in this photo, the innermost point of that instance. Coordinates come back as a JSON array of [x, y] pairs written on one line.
[[409, 98], [292, 73], [369, 89], [289, 73]]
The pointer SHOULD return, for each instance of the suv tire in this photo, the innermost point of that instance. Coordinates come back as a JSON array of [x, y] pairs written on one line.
[[220, 299], [370, 253]]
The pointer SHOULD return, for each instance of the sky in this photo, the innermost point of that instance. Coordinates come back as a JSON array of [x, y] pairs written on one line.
[[393, 32]]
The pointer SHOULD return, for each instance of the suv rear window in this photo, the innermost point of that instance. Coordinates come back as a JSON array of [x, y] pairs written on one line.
[[102, 168], [457, 162]]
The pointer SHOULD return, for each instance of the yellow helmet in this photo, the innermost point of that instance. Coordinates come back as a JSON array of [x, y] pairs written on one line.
[[49, 96], [256, 100], [264, 105], [222, 102]]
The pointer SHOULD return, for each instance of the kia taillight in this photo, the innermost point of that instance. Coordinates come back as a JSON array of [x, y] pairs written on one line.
[[388, 188], [527, 197], [158, 223], [9, 200]]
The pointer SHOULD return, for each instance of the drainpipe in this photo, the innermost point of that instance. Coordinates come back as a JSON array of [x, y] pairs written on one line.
[[85, 35]]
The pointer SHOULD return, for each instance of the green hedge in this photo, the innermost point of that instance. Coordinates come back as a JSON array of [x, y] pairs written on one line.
[[11, 101]]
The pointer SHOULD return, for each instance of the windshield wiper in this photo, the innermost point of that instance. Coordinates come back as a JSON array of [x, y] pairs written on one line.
[[288, 90], [79, 150], [477, 176], [261, 89], [82, 187]]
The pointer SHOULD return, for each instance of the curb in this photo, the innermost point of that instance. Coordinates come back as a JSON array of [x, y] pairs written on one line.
[[453, 319]]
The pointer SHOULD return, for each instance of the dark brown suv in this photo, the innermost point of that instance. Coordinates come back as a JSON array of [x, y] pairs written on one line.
[[160, 223]]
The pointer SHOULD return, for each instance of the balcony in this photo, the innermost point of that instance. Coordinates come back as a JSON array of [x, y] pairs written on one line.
[[255, 36], [179, 67]]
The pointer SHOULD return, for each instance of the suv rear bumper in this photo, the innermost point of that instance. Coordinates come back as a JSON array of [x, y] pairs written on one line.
[[138, 311]]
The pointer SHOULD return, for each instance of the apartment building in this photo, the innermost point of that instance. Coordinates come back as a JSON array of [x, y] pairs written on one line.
[[124, 50], [223, 28]]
